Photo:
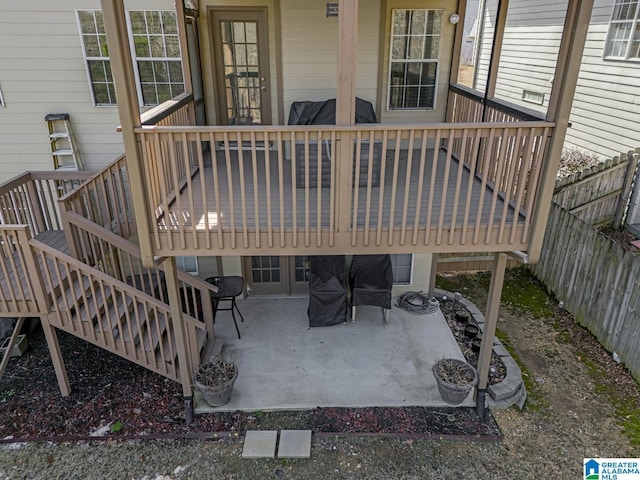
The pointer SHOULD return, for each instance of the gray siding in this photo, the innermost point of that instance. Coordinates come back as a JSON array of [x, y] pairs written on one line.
[[42, 71], [605, 111]]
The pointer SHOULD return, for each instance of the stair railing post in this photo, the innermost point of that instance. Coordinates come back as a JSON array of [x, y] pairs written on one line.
[[43, 301]]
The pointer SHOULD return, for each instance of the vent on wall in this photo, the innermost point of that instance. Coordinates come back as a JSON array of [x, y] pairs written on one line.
[[533, 97]]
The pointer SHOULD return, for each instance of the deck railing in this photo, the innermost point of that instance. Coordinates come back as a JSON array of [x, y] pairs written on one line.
[[31, 198], [443, 187], [22, 292], [469, 105], [105, 199], [121, 259]]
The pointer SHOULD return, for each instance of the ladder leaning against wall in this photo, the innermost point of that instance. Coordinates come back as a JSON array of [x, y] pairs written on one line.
[[64, 149]]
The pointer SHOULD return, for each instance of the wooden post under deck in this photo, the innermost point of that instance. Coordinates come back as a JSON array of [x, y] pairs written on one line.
[[489, 331], [115, 26], [184, 359]]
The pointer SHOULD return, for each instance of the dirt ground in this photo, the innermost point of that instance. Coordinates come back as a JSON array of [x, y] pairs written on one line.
[[581, 404]]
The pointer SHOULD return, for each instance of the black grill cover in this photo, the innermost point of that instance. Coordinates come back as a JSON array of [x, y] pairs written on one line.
[[327, 290], [324, 113], [371, 279]]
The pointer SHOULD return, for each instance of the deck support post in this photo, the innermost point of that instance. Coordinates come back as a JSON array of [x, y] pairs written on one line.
[[433, 273], [489, 331], [346, 104], [184, 358], [574, 35], [56, 357], [115, 26]]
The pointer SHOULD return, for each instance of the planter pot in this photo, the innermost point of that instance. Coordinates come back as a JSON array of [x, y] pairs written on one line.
[[471, 330], [463, 316], [455, 379], [218, 392], [475, 344]]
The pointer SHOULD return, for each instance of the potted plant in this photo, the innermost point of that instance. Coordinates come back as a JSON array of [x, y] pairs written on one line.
[[215, 379], [455, 379]]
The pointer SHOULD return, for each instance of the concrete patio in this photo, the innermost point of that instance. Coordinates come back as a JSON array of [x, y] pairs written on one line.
[[285, 365]]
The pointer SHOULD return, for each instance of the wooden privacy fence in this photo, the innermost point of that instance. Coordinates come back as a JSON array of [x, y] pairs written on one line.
[[598, 281], [597, 195]]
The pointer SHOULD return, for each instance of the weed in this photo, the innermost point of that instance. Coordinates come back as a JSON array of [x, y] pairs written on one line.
[[7, 394], [117, 427]]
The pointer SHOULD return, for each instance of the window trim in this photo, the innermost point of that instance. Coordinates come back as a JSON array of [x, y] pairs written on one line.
[[411, 266], [135, 60], [635, 27], [437, 61], [87, 59]]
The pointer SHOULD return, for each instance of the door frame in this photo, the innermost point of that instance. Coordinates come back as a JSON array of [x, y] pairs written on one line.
[[260, 14]]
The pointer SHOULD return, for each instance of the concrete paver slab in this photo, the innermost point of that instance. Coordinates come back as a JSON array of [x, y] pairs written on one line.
[[294, 444], [260, 444]]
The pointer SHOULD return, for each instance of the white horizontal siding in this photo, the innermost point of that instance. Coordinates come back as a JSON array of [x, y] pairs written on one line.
[[605, 111], [43, 71]]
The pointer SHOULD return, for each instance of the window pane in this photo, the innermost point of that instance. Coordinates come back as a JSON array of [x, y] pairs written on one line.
[[400, 22], [252, 32], [175, 72], [138, 24], [238, 32], [161, 72], [399, 48], [91, 46], [154, 23], [87, 23], [415, 47], [169, 22], [172, 46], [156, 45], [141, 46], [96, 71], [418, 22]]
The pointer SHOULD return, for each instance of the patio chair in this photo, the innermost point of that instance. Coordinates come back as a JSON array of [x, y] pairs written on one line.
[[371, 279]]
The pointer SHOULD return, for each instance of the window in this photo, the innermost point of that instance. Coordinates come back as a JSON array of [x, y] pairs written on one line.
[[533, 97], [623, 39], [414, 54], [157, 54], [188, 264], [402, 264], [96, 54]]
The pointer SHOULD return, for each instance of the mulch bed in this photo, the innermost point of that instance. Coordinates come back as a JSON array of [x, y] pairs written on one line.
[[107, 389]]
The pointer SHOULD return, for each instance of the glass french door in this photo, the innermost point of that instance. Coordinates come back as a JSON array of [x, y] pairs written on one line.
[[242, 67]]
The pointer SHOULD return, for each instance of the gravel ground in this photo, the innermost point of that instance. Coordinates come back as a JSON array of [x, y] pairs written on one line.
[[581, 404]]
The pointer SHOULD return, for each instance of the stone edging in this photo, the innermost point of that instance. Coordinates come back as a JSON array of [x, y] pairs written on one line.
[[511, 390]]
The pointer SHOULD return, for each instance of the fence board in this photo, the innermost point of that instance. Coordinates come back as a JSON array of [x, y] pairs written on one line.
[[598, 281]]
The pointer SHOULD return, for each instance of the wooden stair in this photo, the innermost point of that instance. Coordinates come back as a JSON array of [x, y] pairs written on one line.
[[116, 316]]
